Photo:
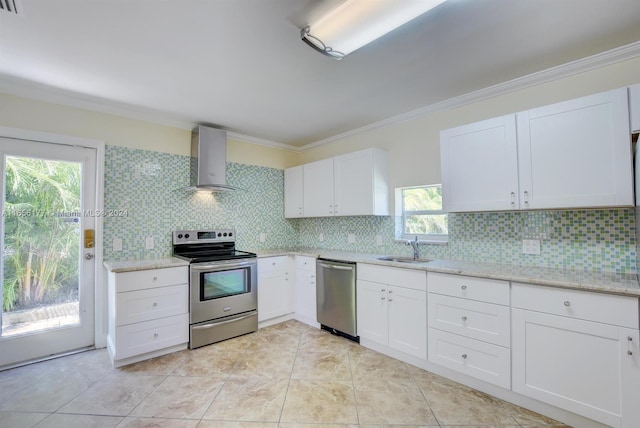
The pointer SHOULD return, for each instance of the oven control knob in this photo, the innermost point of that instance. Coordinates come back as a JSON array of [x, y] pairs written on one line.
[[224, 234], [230, 234], [219, 234], [180, 236], [186, 235]]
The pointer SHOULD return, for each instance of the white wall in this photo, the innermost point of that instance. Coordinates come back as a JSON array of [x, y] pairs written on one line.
[[414, 145]]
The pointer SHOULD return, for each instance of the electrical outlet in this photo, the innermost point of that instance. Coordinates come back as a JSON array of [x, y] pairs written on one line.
[[351, 238], [117, 244], [378, 240], [263, 237], [148, 243], [531, 246], [321, 237]]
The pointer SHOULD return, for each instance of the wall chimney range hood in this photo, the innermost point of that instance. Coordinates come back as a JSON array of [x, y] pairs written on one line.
[[208, 160]]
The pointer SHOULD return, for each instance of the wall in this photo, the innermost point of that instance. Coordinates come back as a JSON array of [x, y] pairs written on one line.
[[148, 187], [26, 113]]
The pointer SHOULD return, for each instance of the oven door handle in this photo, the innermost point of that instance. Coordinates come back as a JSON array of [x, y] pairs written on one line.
[[225, 266], [216, 324]]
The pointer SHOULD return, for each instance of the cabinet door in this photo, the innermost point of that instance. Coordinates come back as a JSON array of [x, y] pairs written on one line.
[[576, 153], [480, 166], [569, 363], [372, 311], [354, 183], [293, 188], [634, 107], [305, 295], [408, 321], [318, 188], [275, 297], [630, 351]]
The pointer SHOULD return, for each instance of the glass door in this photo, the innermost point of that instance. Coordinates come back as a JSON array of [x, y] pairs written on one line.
[[47, 264]]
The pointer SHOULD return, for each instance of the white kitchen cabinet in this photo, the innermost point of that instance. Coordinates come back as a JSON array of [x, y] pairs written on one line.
[[360, 183], [578, 351], [148, 314], [293, 192], [480, 166], [469, 326], [634, 107], [305, 290], [347, 185], [318, 188], [573, 154], [393, 313], [275, 290]]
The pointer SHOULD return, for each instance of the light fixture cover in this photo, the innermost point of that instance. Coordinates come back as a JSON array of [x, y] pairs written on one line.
[[355, 23]]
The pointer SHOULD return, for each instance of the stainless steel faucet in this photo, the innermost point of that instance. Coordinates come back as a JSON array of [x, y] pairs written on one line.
[[414, 244]]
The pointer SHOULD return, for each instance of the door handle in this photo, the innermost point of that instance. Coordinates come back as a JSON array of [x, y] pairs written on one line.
[[88, 256], [336, 267]]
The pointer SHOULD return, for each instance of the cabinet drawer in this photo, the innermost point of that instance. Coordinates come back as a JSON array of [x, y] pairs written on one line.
[[586, 305], [143, 337], [490, 363], [152, 303], [468, 287], [152, 278], [305, 263], [478, 320], [270, 264], [407, 278]]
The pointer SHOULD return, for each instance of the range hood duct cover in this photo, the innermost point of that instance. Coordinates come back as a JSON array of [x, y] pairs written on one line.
[[208, 160]]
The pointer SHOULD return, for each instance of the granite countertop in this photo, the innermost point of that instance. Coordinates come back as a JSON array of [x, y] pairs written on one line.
[[604, 282], [135, 265]]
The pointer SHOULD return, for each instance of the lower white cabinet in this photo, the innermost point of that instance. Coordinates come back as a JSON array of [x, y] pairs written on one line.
[[305, 290], [392, 308], [469, 326], [578, 351], [148, 313], [275, 289]]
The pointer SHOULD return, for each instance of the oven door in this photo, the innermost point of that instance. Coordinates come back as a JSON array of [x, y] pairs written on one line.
[[222, 288]]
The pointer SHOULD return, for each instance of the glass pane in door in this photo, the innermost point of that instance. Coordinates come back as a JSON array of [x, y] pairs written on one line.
[[41, 254]]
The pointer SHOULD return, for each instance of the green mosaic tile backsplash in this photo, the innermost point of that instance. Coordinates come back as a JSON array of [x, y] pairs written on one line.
[[149, 186]]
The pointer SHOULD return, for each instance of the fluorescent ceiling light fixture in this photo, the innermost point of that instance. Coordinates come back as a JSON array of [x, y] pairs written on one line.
[[355, 23]]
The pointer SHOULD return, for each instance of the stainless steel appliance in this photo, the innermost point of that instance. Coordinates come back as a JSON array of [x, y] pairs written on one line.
[[336, 297], [223, 285]]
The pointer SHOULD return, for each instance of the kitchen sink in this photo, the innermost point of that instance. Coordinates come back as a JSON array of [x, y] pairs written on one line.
[[403, 259]]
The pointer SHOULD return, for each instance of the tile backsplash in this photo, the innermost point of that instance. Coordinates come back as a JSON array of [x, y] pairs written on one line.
[[147, 186]]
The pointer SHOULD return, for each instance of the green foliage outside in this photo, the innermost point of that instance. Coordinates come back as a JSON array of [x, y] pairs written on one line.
[[418, 200], [41, 251]]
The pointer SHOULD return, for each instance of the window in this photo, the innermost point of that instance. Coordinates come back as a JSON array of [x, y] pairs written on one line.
[[422, 213]]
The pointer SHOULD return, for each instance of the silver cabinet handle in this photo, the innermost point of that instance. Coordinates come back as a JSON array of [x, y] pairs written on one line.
[[464, 356], [383, 298], [155, 278], [382, 290], [526, 198], [567, 303], [155, 304], [513, 199], [464, 319], [155, 336], [464, 287], [390, 291], [336, 267], [629, 340], [391, 300]]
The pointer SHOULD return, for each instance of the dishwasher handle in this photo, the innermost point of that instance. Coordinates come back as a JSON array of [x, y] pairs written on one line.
[[336, 267]]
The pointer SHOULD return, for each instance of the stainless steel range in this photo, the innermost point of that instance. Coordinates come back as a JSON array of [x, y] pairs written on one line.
[[223, 285]]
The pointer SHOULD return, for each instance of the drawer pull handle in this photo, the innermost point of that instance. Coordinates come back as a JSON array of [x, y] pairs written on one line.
[[567, 303], [383, 298], [629, 339], [391, 300], [155, 305], [382, 290], [464, 287], [464, 356], [155, 336], [464, 319], [155, 278], [390, 291]]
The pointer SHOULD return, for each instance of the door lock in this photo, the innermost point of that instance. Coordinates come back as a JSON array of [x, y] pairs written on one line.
[[88, 256]]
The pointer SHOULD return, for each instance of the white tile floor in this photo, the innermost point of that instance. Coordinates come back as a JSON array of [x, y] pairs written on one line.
[[287, 376]]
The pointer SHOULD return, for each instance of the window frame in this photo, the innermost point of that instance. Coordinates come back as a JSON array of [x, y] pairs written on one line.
[[436, 238]]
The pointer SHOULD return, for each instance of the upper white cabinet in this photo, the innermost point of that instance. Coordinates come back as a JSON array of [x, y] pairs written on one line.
[[360, 183], [318, 188], [574, 154], [293, 191], [634, 107], [346, 185], [480, 166]]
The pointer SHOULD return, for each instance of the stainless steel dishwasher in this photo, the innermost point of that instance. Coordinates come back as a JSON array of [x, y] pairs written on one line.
[[336, 297]]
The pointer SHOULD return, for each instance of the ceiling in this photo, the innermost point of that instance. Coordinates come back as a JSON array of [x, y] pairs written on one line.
[[240, 64]]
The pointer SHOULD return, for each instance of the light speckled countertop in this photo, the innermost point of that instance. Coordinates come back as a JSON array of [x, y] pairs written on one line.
[[134, 265], [604, 282]]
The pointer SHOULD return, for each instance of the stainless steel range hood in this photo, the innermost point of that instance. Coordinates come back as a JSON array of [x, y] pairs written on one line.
[[208, 160]]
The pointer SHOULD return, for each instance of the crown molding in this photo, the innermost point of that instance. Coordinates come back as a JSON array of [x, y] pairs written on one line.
[[593, 62], [261, 141]]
